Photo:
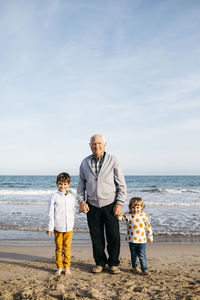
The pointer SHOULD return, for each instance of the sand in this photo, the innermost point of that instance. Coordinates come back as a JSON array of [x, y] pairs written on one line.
[[28, 272]]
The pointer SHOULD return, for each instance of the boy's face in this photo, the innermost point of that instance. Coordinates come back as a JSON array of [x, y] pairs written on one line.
[[136, 209], [63, 186]]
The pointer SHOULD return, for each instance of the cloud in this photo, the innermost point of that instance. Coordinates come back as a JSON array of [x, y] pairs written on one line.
[[127, 69]]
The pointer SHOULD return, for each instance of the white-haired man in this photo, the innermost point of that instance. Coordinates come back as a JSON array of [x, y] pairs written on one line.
[[101, 194]]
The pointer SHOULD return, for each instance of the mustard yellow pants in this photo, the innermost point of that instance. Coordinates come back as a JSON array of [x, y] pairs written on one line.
[[63, 242]]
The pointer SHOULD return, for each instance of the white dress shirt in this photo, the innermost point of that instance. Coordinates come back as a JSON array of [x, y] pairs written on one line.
[[61, 212]]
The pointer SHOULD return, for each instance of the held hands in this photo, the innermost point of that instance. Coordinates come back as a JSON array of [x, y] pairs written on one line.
[[151, 242], [84, 207], [49, 233], [117, 210]]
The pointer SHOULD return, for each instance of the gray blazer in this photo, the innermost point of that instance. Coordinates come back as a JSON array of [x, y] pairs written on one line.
[[109, 186]]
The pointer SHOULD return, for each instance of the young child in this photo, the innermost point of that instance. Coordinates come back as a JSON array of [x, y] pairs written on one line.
[[138, 224], [61, 222]]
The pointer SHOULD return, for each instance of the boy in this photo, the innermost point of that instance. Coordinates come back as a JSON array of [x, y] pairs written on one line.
[[61, 222]]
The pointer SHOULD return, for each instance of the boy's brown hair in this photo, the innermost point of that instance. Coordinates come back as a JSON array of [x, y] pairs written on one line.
[[63, 177], [136, 201]]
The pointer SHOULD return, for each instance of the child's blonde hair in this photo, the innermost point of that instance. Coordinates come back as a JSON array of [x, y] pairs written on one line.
[[136, 201]]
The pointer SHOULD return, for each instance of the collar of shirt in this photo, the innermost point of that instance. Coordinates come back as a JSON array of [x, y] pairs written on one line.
[[97, 163], [61, 193]]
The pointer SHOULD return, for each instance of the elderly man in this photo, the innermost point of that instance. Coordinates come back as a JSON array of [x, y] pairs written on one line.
[[101, 194]]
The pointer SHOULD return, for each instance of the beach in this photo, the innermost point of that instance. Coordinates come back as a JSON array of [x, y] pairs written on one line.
[[27, 255], [28, 272]]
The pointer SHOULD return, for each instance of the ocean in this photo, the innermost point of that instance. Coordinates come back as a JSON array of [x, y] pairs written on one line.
[[173, 203]]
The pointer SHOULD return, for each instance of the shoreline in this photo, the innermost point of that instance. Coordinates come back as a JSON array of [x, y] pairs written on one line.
[[17, 237], [28, 272], [161, 239]]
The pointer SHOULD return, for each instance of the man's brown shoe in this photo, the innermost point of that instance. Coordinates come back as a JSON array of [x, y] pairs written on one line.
[[114, 270], [97, 269]]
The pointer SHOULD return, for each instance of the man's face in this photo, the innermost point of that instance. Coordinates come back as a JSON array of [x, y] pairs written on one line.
[[97, 146]]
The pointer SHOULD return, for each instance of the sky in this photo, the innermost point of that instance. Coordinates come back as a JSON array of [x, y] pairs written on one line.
[[127, 69]]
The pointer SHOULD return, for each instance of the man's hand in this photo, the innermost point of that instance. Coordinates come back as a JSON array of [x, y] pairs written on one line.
[[117, 210], [84, 207]]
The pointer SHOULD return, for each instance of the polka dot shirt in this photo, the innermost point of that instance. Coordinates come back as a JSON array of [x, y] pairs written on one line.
[[138, 226]]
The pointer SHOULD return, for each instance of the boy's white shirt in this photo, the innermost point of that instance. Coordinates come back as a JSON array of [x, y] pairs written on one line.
[[138, 225], [61, 210]]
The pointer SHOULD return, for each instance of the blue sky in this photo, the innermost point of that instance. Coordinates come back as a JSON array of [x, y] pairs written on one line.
[[128, 69]]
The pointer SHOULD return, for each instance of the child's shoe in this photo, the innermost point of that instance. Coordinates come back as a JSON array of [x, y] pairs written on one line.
[[67, 272], [145, 272], [58, 272], [136, 270]]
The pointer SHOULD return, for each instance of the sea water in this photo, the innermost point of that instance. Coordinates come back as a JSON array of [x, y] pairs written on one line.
[[173, 203]]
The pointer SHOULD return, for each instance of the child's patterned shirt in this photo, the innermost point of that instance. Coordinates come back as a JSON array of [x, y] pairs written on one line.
[[138, 225]]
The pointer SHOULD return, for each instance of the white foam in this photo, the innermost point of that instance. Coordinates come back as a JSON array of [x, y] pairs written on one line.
[[24, 202], [150, 203], [26, 192], [173, 191], [30, 192]]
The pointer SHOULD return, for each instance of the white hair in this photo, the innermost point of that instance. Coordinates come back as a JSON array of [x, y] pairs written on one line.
[[101, 135]]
